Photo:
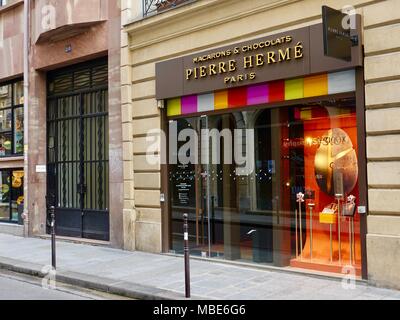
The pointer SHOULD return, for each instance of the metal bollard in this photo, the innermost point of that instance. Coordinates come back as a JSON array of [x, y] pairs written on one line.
[[53, 236], [186, 252]]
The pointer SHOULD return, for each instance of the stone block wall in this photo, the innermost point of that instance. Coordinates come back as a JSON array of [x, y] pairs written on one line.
[[382, 93]]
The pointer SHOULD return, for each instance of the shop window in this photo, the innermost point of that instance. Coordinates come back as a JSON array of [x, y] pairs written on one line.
[[308, 150], [11, 119], [11, 195]]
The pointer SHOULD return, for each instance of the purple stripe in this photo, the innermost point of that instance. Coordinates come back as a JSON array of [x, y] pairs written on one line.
[[189, 104], [257, 94]]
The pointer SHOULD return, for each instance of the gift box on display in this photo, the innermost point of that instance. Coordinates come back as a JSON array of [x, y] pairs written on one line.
[[329, 214]]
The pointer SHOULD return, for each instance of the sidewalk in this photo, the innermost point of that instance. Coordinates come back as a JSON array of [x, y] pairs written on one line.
[[151, 276]]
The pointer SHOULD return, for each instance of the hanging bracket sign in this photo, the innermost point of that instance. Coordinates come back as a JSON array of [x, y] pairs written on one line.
[[338, 36]]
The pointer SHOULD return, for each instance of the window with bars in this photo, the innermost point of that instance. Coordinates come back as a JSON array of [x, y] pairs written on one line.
[[12, 119], [156, 6]]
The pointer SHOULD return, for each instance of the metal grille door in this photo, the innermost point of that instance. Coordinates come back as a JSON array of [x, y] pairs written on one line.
[[77, 129]]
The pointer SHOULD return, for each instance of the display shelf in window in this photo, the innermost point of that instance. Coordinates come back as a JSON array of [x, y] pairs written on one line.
[[11, 194]]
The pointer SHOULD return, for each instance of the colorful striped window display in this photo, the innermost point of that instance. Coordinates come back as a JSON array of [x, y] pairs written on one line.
[[270, 92]]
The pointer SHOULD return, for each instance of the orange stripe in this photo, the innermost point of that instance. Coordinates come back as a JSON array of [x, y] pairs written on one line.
[[315, 86], [221, 100]]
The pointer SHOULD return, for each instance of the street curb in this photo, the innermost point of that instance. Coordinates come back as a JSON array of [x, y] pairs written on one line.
[[117, 287], [267, 268]]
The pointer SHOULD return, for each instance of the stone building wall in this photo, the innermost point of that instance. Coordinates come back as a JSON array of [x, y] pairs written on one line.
[[91, 29], [382, 77], [11, 40], [11, 67]]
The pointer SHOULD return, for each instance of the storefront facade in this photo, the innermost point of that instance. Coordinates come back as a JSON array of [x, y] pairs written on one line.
[[298, 137], [313, 132]]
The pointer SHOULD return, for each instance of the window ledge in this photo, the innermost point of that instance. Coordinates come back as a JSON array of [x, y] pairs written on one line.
[[13, 158], [11, 5]]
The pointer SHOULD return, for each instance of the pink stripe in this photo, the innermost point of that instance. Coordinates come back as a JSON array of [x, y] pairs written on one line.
[[257, 94], [189, 104]]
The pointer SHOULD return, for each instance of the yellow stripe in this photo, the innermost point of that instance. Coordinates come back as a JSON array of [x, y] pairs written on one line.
[[294, 89], [174, 107]]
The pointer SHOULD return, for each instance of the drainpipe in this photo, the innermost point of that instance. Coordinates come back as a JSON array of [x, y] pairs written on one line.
[[26, 114]]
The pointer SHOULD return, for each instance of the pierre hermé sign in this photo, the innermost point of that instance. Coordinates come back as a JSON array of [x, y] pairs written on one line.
[[253, 57], [291, 54]]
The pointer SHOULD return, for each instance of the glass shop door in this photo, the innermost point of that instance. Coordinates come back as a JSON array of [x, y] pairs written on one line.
[[188, 180]]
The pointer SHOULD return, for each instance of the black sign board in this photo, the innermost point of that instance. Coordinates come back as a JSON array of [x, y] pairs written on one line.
[[184, 194], [337, 34]]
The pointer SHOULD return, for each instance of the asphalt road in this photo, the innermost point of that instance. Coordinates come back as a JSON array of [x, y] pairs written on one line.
[[21, 287]]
